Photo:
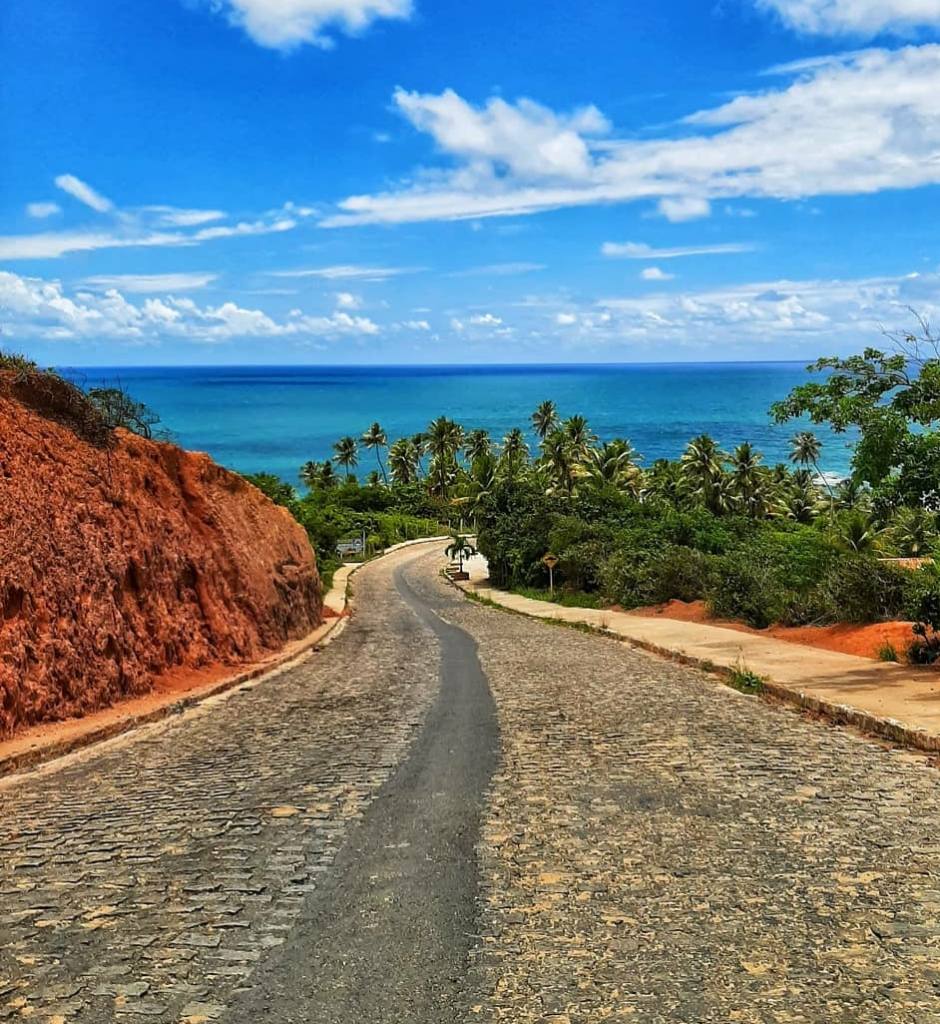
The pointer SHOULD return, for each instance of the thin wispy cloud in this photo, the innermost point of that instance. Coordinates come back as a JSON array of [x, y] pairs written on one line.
[[346, 272], [642, 251], [499, 270], [84, 193], [144, 284]]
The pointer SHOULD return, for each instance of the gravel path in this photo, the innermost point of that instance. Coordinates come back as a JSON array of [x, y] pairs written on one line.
[[651, 846]]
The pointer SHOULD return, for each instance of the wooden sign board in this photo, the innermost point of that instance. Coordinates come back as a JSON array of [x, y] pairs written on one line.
[[550, 560]]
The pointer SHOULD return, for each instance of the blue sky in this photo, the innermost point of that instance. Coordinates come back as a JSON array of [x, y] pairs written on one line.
[[376, 181]]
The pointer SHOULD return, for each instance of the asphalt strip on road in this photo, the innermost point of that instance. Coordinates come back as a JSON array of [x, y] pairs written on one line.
[[386, 938]]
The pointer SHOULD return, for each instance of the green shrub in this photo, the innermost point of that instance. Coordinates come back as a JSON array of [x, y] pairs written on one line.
[[859, 588], [679, 573], [748, 588]]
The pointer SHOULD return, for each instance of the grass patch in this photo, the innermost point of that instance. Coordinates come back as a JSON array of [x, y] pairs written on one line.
[[742, 679], [566, 599], [888, 652]]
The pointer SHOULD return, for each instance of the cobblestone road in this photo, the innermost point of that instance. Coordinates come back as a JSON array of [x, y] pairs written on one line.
[[656, 848], [659, 848], [147, 882]]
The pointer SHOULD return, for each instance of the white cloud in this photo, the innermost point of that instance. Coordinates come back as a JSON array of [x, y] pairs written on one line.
[[173, 217], [499, 270], [565, 319], [84, 193], [826, 311], [655, 274], [53, 244], [145, 284], [346, 300], [286, 24], [642, 251], [684, 208], [415, 325], [33, 307], [42, 210], [856, 17], [486, 320], [863, 123], [346, 271]]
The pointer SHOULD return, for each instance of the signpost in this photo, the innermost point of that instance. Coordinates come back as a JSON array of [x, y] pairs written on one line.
[[550, 561]]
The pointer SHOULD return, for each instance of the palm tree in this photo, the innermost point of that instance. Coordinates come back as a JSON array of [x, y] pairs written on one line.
[[328, 477], [914, 532], [347, 453], [800, 504], [476, 444], [851, 496], [858, 533], [559, 458], [459, 548], [310, 474], [702, 467], [545, 419], [749, 480], [613, 465], [420, 441], [514, 454], [480, 484], [403, 461], [444, 438], [805, 449], [376, 438], [579, 434]]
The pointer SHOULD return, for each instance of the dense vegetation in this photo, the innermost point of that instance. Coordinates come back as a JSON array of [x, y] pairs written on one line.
[[760, 543]]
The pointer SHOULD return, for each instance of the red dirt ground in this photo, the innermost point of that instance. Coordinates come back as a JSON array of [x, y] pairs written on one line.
[[846, 638], [132, 566]]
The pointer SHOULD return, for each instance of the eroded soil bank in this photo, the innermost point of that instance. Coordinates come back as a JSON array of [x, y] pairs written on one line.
[[121, 562]]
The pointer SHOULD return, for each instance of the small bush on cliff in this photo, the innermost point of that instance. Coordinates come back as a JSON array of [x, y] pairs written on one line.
[[118, 409]]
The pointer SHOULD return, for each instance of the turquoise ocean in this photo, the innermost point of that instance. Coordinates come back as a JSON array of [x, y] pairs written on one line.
[[270, 418]]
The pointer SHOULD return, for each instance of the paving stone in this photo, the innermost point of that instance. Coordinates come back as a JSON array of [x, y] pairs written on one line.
[[208, 828]]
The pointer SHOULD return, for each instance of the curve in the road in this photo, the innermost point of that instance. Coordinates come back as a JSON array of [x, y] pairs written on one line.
[[387, 937]]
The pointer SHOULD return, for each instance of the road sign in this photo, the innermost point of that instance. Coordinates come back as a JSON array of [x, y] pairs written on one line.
[[550, 561]]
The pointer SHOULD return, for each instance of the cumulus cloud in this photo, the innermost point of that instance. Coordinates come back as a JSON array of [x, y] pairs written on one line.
[[825, 311], [346, 300], [855, 17], [684, 208], [486, 320], [565, 319], [33, 307], [42, 210], [655, 274], [83, 192], [861, 123], [287, 24]]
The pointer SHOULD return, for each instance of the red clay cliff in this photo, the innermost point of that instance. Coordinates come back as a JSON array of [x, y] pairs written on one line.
[[122, 558]]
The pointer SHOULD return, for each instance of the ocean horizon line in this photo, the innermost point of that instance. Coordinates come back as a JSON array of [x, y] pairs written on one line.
[[461, 367]]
